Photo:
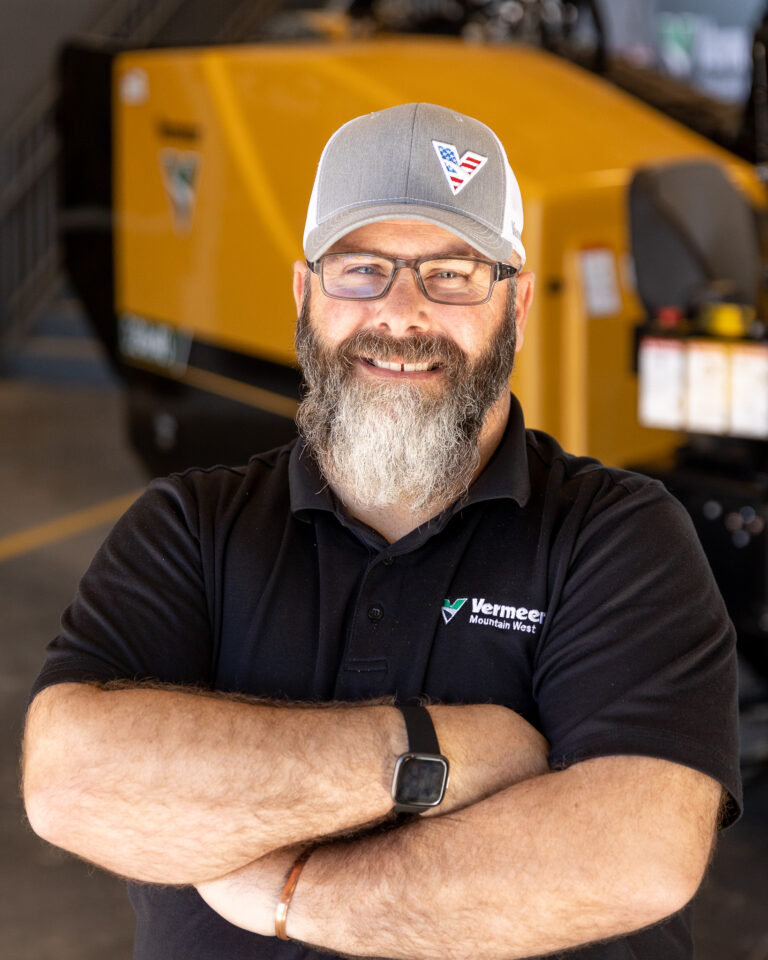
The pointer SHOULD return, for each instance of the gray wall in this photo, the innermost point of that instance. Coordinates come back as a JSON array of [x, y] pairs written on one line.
[[30, 33]]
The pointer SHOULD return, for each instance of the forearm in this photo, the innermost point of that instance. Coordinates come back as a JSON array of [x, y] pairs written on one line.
[[554, 862], [173, 787], [176, 787]]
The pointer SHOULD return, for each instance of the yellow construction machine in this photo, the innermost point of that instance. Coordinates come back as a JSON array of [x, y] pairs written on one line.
[[206, 157], [213, 157]]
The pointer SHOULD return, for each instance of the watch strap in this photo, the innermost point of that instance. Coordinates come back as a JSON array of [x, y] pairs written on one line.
[[423, 748], [420, 729]]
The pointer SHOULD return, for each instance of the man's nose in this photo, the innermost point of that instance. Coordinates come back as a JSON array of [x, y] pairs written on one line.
[[405, 309]]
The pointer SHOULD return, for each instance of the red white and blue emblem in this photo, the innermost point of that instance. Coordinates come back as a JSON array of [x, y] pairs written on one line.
[[458, 170]]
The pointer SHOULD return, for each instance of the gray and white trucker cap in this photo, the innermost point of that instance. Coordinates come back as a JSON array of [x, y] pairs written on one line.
[[417, 161]]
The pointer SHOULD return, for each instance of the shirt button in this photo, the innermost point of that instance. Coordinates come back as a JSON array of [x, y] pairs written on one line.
[[388, 561], [375, 613]]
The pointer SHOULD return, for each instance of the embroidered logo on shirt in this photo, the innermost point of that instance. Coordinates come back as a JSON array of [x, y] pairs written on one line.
[[458, 170], [502, 616], [450, 609]]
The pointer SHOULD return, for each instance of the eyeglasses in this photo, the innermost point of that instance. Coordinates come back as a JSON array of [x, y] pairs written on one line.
[[463, 281]]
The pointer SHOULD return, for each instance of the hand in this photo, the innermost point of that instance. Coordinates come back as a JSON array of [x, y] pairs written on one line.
[[489, 749], [248, 897]]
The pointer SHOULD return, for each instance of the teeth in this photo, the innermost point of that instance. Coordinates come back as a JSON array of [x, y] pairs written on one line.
[[401, 367]]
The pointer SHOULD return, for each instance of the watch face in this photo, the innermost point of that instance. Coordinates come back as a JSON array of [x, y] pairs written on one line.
[[420, 780]]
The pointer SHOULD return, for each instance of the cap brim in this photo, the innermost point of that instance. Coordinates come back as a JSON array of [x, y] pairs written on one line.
[[483, 239]]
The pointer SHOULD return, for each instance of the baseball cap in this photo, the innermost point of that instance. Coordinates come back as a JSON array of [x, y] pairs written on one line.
[[417, 161]]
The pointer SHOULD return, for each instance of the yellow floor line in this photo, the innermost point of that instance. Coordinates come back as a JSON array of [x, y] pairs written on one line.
[[68, 526]]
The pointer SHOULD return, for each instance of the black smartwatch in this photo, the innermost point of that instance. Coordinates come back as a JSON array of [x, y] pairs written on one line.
[[421, 775]]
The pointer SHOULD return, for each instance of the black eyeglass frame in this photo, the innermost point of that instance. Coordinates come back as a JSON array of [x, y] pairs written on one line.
[[502, 271]]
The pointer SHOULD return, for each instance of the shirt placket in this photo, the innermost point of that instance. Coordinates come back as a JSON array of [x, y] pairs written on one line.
[[376, 639]]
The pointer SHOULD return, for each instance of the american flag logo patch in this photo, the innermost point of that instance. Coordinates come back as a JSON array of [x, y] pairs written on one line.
[[458, 170]]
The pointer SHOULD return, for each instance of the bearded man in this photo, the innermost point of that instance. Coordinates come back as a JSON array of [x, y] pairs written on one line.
[[420, 685]]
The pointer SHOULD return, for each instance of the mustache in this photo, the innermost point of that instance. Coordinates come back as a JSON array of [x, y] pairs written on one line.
[[418, 348]]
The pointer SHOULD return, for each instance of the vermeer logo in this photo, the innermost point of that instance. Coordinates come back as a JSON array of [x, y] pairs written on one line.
[[451, 609], [180, 175], [499, 615], [505, 617]]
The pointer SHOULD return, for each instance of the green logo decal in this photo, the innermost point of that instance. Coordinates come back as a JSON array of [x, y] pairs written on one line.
[[451, 609], [180, 175]]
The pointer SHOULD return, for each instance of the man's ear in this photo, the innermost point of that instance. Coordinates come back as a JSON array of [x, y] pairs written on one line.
[[525, 284], [300, 278]]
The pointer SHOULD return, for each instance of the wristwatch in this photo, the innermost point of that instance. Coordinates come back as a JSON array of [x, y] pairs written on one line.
[[421, 774]]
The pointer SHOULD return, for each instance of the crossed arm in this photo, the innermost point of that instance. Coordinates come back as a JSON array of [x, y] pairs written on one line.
[[520, 860]]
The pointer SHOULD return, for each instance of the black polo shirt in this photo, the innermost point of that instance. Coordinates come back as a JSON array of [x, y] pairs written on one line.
[[575, 594]]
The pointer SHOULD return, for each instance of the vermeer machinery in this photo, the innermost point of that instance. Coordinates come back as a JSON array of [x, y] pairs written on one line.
[[186, 178]]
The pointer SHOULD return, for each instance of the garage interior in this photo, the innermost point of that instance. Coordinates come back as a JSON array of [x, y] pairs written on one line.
[[70, 465]]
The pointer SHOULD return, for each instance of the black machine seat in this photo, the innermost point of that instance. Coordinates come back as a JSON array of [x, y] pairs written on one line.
[[694, 237], [695, 242]]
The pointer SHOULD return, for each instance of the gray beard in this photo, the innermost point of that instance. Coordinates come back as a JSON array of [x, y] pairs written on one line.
[[384, 443]]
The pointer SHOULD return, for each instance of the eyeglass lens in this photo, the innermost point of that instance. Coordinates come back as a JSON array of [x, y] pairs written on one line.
[[361, 276]]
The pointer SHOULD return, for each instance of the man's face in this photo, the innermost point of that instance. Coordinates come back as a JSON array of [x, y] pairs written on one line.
[[405, 311], [398, 389]]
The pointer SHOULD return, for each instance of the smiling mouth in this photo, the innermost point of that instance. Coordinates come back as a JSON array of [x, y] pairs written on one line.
[[401, 367]]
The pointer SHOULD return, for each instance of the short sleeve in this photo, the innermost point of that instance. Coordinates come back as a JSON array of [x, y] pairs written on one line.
[[141, 610], [639, 654]]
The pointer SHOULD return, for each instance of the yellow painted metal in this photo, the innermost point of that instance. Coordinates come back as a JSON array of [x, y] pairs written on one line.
[[255, 120]]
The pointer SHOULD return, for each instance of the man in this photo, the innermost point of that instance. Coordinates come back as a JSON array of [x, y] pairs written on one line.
[[220, 699]]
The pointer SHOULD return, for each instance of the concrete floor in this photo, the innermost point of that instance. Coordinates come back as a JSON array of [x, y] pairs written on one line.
[[61, 452]]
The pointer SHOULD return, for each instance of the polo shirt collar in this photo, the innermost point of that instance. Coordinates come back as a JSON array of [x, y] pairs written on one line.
[[505, 476]]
